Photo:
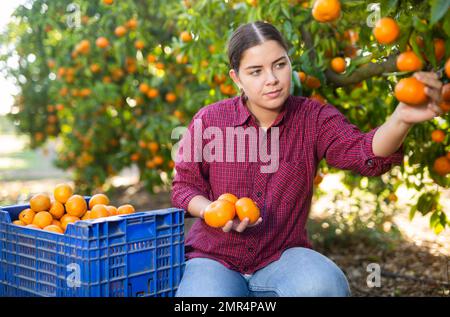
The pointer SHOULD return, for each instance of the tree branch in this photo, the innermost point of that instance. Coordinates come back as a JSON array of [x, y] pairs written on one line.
[[364, 72]]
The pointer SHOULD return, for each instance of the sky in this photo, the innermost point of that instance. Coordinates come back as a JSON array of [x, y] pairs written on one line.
[[7, 89]]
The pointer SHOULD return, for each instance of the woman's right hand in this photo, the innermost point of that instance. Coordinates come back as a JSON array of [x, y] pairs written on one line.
[[236, 224]]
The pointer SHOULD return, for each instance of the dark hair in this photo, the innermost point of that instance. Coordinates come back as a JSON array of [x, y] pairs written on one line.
[[249, 35]]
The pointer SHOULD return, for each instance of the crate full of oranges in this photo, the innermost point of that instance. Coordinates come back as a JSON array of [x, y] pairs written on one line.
[[66, 207]]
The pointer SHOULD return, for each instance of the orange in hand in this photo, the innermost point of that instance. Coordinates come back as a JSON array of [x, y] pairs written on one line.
[[229, 197], [218, 213], [411, 91], [246, 208]]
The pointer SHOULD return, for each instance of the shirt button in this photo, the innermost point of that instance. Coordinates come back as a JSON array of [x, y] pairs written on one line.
[[259, 194], [370, 163]]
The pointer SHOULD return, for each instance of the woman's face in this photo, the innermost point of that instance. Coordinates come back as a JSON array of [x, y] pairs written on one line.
[[265, 69]]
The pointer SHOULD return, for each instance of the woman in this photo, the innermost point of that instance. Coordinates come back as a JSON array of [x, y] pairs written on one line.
[[273, 256]]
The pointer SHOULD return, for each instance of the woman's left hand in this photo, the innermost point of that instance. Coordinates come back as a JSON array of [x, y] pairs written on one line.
[[415, 114]]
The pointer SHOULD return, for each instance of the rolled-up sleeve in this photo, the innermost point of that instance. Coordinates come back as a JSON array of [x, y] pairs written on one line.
[[344, 146], [191, 177]]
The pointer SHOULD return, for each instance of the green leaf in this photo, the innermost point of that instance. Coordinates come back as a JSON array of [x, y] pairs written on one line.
[[419, 25], [438, 9], [446, 25], [285, 10], [412, 212]]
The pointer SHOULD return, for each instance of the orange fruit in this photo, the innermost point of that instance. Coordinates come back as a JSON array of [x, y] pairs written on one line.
[[445, 92], [40, 202], [171, 97], [66, 219], [135, 157], [318, 179], [246, 208], [32, 226], [229, 197], [56, 222], [392, 197], [139, 44], [439, 49], [150, 164], [178, 114], [158, 160], [83, 47], [301, 76], [185, 36], [312, 82], [27, 216], [218, 213], [54, 228], [108, 2], [409, 62], [112, 210], [57, 210], [326, 10], [102, 42], [438, 136], [386, 31], [159, 65], [442, 165], [338, 64], [120, 31], [132, 24], [445, 106], [76, 206], [152, 93], [87, 215], [319, 98], [42, 219], [447, 68], [101, 199], [125, 209], [143, 88], [19, 223], [62, 192], [181, 59], [219, 79], [99, 211], [448, 155], [153, 147], [151, 58], [410, 91]]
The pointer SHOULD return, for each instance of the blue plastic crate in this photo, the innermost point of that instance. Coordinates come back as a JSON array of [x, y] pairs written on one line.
[[140, 254]]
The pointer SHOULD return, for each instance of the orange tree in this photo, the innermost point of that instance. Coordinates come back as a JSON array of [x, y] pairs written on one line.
[[111, 79]]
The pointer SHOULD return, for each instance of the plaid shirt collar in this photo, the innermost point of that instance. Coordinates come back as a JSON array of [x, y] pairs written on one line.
[[243, 114]]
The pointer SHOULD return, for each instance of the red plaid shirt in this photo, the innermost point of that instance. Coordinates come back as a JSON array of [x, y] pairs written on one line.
[[308, 132]]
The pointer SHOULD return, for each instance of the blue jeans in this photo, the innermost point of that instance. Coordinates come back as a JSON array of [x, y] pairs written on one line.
[[298, 272]]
